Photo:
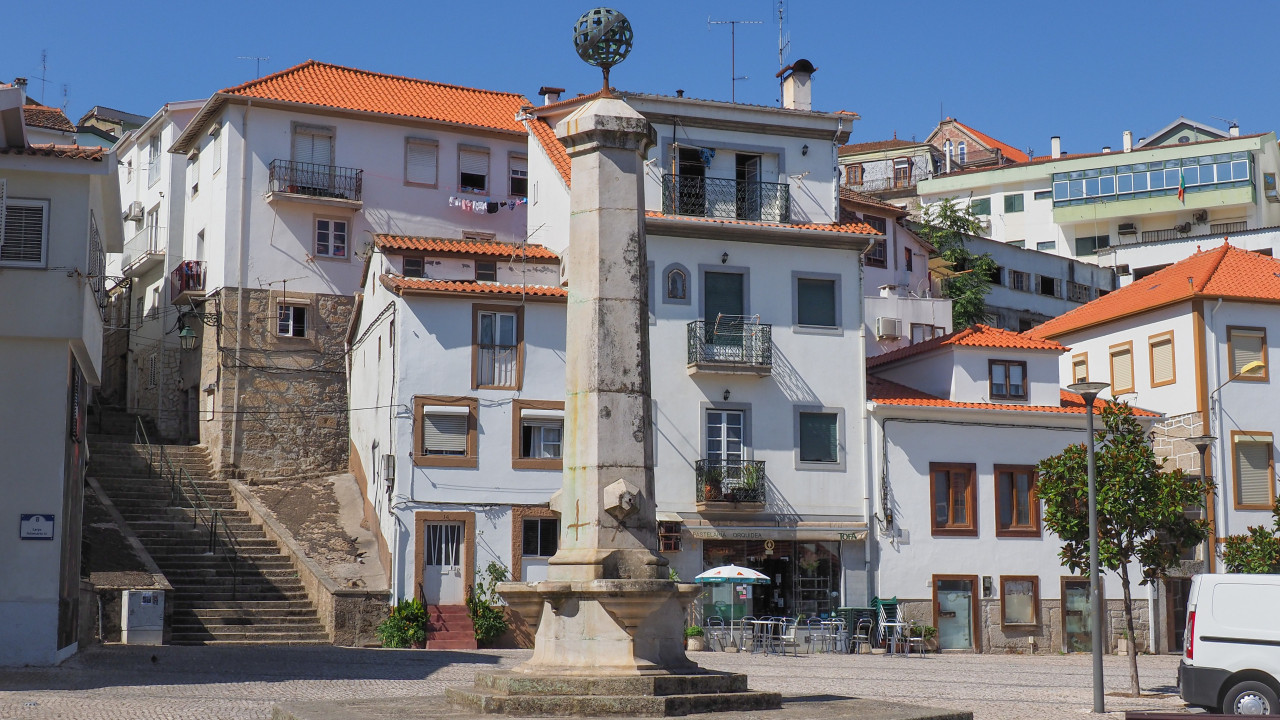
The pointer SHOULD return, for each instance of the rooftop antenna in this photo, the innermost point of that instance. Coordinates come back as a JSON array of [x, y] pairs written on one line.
[[733, 56], [1230, 123], [44, 72], [257, 60], [784, 38]]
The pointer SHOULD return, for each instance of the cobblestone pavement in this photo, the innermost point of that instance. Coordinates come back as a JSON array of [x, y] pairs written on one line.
[[194, 683]]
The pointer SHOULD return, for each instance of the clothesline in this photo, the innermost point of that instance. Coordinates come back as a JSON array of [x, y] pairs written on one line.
[[486, 206]]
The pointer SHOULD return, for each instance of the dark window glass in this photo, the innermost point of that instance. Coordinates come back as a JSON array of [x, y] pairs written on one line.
[[816, 301]]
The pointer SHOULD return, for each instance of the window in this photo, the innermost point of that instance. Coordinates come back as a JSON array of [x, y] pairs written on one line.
[[154, 313], [677, 284], [669, 536], [963, 156], [1077, 292], [1008, 379], [519, 185], [153, 160], [1080, 368], [907, 259], [1048, 286], [819, 437], [902, 173], [215, 148], [1152, 179], [1017, 243], [1013, 203], [193, 173], [486, 271], [853, 174], [537, 438], [1091, 244], [878, 255], [922, 331], [1019, 599], [1017, 507], [1244, 345], [142, 311], [496, 348], [1043, 195], [445, 431], [313, 146], [541, 537], [1254, 471], [981, 206], [1019, 280], [26, 229], [816, 302], [540, 439], [953, 496], [1161, 351], [1046, 245], [473, 170], [413, 267], [331, 238], [876, 222], [291, 320], [1121, 368], [421, 162]]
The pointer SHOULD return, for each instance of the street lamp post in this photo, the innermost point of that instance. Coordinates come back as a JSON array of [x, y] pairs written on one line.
[[1202, 444], [1088, 391]]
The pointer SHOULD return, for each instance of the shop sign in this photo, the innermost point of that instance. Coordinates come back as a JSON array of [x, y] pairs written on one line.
[[772, 533]]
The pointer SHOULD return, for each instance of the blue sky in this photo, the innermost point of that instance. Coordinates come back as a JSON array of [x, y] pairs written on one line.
[[1018, 70]]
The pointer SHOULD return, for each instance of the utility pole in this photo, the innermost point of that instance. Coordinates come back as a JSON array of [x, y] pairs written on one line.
[[733, 55]]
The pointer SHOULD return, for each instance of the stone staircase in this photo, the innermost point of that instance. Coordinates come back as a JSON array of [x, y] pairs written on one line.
[[449, 627], [257, 600]]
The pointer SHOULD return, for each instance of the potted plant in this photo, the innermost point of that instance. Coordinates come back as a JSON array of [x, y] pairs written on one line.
[[752, 482], [695, 638], [1122, 643], [711, 480], [405, 626], [927, 632]]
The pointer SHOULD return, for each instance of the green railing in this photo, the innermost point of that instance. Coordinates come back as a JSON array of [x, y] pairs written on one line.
[[186, 495]]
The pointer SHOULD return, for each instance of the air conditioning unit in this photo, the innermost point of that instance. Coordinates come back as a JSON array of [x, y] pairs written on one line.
[[1201, 217], [888, 328], [133, 213], [389, 473], [1184, 228], [1128, 229], [1122, 269]]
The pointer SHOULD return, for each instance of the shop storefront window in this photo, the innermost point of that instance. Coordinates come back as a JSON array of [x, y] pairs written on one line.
[[805, 577]]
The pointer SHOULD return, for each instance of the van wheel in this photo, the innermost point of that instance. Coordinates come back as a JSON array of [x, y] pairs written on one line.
[[1250, 698]]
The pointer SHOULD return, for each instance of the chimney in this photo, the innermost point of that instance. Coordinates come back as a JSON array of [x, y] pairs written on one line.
[[1106, 148], [550, 94], [1234, 130], [680, 93], [1055, 146], [1128, 141], [797, 92]]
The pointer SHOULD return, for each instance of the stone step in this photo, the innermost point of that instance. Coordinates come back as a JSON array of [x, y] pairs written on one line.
[[461, 642], [488, 702], [263, 560], [194, 623], [216, 615], [190, 574], [198, 605], [282, 636], [241, 643], [225, 595]]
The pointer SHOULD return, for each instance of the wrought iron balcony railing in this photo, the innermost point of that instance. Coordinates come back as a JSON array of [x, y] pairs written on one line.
[[186, 279], [736, 481], [323, 181], [731, 341], [724, 198], [887, 184]]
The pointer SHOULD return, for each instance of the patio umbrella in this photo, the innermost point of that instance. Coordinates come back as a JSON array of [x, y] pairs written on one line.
[[732, 574]]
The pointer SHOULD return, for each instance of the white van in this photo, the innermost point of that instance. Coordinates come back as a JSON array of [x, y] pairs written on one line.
[[1231, 660]]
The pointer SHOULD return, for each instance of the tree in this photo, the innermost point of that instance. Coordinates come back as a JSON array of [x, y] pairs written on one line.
[[1141, 508], [1257, 552], [947, 225]]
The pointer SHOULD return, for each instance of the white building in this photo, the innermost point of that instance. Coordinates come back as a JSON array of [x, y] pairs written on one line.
[[286, 179], [1074, 205], [1031, 286], [58, 206], [1178, 342], [957, 425]]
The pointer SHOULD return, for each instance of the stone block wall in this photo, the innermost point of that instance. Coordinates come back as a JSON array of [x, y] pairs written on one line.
[[279, 406], [1168, 442]]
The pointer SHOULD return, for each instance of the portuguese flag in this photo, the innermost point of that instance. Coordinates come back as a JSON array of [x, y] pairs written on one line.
[[1182, 187]]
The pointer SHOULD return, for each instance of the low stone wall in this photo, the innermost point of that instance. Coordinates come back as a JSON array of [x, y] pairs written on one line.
[[349, 615], [997, 638]]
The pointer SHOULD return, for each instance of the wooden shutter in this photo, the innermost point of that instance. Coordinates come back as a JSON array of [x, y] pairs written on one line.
[[444, 433], [420, 162], [1246, 347], [1253, 471], [818, 437], [816, 301], [722, 294], [1121, 370], [312, 145], [1162, 361], [24, 226]]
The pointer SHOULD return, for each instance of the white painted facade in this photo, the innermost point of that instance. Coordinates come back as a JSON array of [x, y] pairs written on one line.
[[1138, 259], [51, 355], [1050, 284]]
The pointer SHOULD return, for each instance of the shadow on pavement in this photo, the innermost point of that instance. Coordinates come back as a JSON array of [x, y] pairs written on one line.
[[114, 666]]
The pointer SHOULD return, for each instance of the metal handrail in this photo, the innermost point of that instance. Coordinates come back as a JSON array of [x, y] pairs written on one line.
[[731, 480], [315, 180], [726, 198], [730, 341]]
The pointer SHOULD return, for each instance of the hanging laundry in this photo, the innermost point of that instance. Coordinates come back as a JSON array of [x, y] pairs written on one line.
[[492, 207]]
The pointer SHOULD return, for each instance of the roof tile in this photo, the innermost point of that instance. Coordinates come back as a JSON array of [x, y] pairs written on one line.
[[1010, 152], [1225, 272], [316, 83], [875, 145], [401, 285], [858, 228], [72, 152], [975, 336], [42, 116], [887, 392], [463, 247]]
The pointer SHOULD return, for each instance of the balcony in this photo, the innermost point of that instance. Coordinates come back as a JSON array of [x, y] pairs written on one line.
[[143, 251], [889, 185], [726, 199], [730, 346], [321, 184], [730, 485], [186, 282]]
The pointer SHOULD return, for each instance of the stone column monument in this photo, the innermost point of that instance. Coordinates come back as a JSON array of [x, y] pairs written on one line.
[[609, 624]]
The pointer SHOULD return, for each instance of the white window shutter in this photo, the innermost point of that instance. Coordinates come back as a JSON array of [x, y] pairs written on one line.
[[1162, 361], [519, 165], [444, 433], [1246, 347], [474, 162], [312, 146], [1253, 473], [23, 233], [1121, 370], [421, 162]]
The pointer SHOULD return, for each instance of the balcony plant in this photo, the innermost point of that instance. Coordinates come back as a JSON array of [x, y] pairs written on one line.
[[751, 486], [712, 477]]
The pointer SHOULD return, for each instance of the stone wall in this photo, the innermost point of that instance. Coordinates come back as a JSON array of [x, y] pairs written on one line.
[[1047, 634], [1168, 442], [279, 406]]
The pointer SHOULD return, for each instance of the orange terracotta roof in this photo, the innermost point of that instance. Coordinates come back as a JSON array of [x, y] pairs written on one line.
[[401, 285], [887, 392], [72, 152], [316, 83], [551, 145], [975, 336], [875, 145], [574, 100], [865, 199], [1009, 151], [1226, 272], [857, 228], [463, 247], [42, 116]]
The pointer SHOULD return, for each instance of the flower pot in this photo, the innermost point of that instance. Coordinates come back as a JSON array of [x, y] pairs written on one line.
[[1122, 646], [697, 643]]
